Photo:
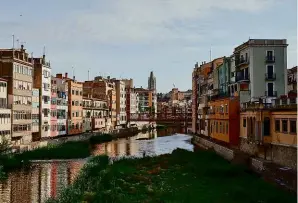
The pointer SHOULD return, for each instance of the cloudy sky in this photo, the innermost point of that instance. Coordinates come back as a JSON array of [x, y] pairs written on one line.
[[130, 38]]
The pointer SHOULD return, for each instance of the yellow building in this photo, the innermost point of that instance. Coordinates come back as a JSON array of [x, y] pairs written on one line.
[[269, 131]]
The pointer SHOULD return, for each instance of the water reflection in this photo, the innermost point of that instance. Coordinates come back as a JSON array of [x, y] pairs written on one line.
[[143, 143], [39, 183], [45, 180]]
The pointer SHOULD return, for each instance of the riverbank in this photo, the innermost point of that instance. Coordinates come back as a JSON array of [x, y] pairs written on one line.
[[182, 176], [62, 150]]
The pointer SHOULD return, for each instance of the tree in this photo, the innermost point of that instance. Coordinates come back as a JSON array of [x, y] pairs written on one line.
[[4, 145]]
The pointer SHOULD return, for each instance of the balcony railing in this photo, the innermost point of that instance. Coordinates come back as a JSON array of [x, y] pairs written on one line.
[[271, 76], [271, 94], [243, 61], [270, 59], [242, 78]]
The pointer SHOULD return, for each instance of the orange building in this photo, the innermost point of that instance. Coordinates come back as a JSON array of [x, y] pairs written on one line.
[[269, 131], [224, 120], [75, 107]]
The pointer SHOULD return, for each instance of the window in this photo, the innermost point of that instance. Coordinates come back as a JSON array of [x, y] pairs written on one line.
[[277, 125], [244, 122], [226, 110], [72, 92], [227, 128], [293, 128], [285, 125], [72, 103], [266, 126]]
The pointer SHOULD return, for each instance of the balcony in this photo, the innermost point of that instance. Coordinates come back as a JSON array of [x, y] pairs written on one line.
[[270, 59], [243, 61], [271, 76], [242, 78], [271, 94]]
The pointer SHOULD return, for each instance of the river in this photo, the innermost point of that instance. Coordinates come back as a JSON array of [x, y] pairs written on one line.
[[46, 179]]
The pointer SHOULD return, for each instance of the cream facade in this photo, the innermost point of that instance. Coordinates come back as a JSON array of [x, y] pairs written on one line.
[[5, 113]]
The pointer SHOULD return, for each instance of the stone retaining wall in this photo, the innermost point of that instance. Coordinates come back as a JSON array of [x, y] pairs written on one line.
[[220, 150], [257, 164]]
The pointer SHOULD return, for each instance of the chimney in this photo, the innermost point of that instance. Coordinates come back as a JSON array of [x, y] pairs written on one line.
[[66, 75], [22, 47], [59, 75]]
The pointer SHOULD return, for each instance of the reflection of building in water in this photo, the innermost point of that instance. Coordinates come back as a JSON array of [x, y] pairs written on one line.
[[5, 191], [42, 182], [35, 184], [45, 182], [134, 147], [21, 185], [74, 169], [62, 177]]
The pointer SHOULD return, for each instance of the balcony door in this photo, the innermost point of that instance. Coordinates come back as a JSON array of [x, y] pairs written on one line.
[[270, 71], [270, 54], [270, 89]]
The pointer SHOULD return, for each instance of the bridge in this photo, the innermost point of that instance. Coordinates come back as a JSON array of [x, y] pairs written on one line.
[[160, 117]]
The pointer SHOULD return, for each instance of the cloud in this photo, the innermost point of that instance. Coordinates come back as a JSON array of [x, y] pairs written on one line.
[[140, 21]]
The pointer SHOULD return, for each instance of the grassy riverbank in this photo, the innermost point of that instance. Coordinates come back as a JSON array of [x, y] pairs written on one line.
[[67, 150], [178, 177]]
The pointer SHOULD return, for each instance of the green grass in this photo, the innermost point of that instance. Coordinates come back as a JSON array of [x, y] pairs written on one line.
[[182, 176]]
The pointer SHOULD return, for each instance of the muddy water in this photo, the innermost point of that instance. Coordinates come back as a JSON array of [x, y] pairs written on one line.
[[44, 180]]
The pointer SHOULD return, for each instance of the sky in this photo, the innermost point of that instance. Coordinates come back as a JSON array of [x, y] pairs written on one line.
[[130, 38]]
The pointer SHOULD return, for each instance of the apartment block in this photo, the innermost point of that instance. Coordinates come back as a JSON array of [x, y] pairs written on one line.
[[207, 88], [35, 114], [103, 89], [223, 117], [132, 103], [16, 67], [261, 69], [269, 130], [61, 102], [54, 120], [195, 77], [75, 107], [292, 80], [95, 114], [120, 102], [5, 113], [145, 100], [42, 81]]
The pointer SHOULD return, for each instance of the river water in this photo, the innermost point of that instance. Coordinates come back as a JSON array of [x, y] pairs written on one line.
[[46, 179]]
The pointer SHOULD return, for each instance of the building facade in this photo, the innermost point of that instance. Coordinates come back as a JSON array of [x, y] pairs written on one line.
[[42, 81], [75, 108], [261, 69], [54, 122], [269, 131], [35, 114], [120, 102], [223, 120], [292, 80], [16, 67], [62, 103], [5, 113]]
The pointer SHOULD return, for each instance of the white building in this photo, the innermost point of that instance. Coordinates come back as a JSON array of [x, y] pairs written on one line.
[[42, 81], [5, 113], [62, 103]]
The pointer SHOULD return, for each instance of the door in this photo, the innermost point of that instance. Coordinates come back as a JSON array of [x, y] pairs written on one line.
[[270, 71], [269, 55], [270, 89]]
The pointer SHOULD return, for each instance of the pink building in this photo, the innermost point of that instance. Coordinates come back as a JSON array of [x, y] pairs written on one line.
[[53, 124]]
